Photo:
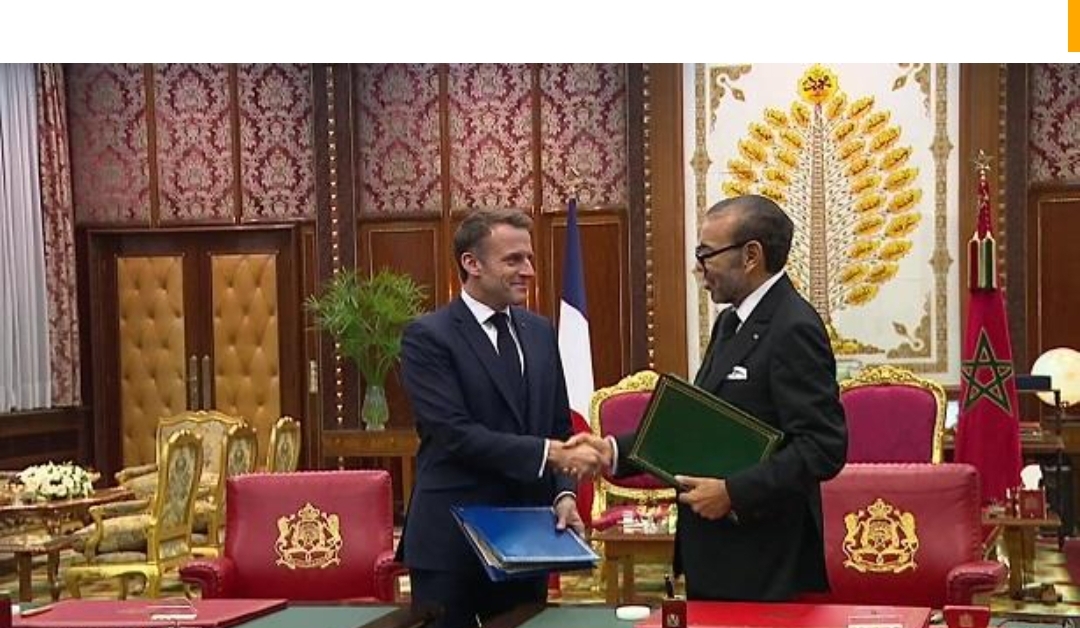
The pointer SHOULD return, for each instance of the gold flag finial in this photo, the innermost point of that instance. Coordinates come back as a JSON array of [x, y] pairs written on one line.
[[982, 162]]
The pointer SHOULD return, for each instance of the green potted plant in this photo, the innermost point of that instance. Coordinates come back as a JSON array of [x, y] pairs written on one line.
[[367, 318]]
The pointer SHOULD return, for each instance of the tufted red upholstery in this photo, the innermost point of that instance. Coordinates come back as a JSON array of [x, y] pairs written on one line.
[[250, 567], [943, 502]]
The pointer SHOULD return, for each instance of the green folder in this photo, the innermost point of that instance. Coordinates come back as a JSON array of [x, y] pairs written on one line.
[[689, 431]]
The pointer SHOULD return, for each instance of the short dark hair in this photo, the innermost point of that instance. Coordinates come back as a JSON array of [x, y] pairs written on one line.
[[759, 218], [475, 229]]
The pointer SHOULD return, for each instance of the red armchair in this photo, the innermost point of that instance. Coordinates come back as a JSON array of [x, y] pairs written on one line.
[[906, 534], [320, 535], [893, 415], [617, 410]]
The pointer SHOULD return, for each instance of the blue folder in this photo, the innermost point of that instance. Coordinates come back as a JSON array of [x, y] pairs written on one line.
[[516, 542]]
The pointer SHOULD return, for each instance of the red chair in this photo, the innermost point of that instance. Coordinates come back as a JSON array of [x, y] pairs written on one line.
[[618, 410], [905, 534], [893, 415], [317, 535]]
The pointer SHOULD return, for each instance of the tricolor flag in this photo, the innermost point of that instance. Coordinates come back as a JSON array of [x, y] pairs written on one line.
[[574, 344], [988, 432]]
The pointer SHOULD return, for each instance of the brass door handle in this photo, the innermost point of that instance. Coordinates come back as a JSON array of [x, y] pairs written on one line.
[[206, 382], [193, 383]]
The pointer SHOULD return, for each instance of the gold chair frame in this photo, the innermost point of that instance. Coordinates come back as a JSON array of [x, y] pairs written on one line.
[[274, 454], [889, 375], [231, 466], [168, 542]]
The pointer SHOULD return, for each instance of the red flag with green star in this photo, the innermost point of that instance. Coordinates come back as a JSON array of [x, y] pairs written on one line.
[[988, 432]]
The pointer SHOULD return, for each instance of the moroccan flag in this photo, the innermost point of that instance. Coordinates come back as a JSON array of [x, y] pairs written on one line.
[[988, 432], [574, 344]]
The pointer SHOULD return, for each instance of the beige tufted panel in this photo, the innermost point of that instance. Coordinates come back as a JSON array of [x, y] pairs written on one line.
[[246, 361], [152, 366]]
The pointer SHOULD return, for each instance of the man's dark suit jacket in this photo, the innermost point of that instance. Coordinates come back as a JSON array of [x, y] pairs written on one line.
[[476, 445], [774, 550]]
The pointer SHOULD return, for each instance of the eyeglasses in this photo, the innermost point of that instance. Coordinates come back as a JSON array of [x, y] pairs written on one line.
[[703, 253]]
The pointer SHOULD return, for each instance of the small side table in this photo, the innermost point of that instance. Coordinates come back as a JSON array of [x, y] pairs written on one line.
[[622, 548], [1019, 536], [24, 547]]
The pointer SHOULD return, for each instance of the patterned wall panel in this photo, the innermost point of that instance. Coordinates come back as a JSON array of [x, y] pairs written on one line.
[[276, 154], [1055, 122], [109, 164], [398, 111], [490, 115], [583, 111], [194, 142]]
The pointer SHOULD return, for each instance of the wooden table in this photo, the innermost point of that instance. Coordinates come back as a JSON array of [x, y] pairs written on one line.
[[622, 548], [41, 530], [1019, 536], [376, 444]]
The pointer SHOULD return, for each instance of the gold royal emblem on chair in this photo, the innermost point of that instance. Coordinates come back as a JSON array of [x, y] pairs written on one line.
[[310, 539], [880, 539]]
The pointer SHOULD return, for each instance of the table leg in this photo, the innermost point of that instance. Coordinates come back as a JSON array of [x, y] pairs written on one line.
[[611, 580], [25, 568], [52, 566], [628, 580], [406, 480], [1014, 551]]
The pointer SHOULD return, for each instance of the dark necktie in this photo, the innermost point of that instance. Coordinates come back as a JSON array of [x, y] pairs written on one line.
[[730, 324], [508, 353]]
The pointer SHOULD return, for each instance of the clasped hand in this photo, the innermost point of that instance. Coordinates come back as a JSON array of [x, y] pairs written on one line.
[[583, 456]]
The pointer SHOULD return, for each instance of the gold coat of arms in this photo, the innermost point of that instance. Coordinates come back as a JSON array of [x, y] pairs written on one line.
[[310, 539], [880, 539]]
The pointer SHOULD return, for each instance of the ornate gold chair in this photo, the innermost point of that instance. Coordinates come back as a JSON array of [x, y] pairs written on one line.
[[210, 425], [239, 456], [617, 410], [893, 415], [284, 452], [143, 537]]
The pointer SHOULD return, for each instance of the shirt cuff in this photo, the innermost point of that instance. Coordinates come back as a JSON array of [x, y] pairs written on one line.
[[543, 459], [614, 455], [563, 494]]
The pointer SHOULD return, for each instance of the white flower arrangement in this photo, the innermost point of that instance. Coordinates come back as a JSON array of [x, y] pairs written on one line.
[[50, 481]]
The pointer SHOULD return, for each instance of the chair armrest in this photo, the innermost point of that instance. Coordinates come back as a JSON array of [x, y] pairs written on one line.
[[387, 571], [215, 577], [118, 509], [968, 579], [127, 473]]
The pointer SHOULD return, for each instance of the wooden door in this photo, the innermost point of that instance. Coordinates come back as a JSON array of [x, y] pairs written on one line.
[[188, 320]]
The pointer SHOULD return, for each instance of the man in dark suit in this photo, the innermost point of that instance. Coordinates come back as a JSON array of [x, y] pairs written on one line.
[[489, 399], [757, 535]]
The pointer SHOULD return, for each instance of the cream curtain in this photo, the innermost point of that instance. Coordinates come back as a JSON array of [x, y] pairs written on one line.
[[24, 333]]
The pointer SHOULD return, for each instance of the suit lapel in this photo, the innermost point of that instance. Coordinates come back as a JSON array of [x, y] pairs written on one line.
[[735, 350], [485, 352]]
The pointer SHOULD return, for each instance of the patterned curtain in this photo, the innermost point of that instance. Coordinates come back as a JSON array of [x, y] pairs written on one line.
[[59, 233]]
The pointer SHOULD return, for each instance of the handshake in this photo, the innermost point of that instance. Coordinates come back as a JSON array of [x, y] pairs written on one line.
[[583, 456]]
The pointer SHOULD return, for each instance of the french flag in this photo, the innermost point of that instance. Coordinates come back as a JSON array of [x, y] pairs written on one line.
[[574, 344]]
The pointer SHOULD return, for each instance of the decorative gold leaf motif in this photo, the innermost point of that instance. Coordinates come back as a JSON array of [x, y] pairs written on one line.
[[839, 168], [800, 113], [738, 94], [894, 249], [776, 118], [860, 294], [843, 130], [885, 139], [752, 151], [902, 225], [900, 328], [904, 201], [875, 121], [868, 225], [895, 157], [899, 82]]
